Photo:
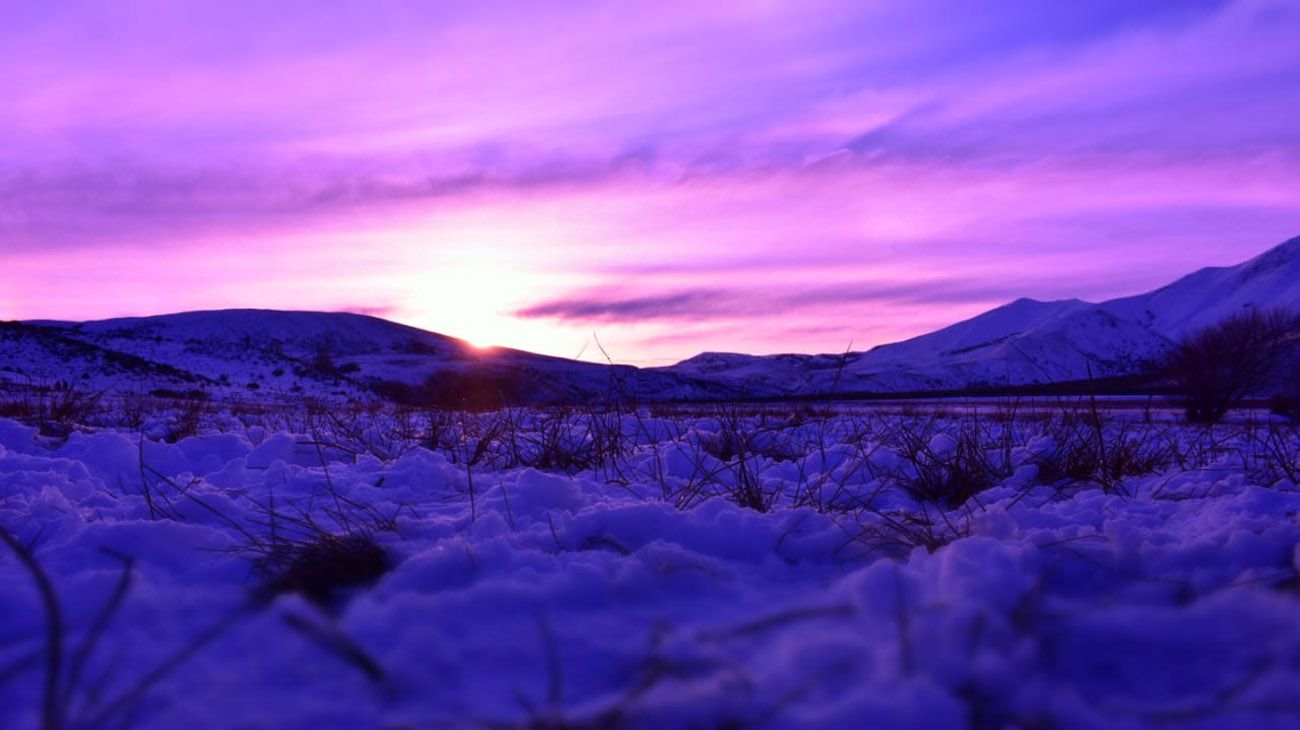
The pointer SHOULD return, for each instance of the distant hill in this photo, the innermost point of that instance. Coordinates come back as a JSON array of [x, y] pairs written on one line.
[[275, 353], [1025, 342], [310, 353]]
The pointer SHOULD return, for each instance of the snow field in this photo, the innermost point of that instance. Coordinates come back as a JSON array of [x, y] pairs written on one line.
[[749, 569]]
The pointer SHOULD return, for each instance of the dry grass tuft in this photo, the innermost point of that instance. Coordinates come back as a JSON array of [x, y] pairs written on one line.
[[322, 569]]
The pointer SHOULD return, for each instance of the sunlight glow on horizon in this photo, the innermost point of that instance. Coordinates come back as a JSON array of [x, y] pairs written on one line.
[[783, 178]]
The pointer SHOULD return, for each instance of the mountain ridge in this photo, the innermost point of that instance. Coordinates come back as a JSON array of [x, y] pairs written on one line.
[[1028, 341], [296, 353], [1023, 342]]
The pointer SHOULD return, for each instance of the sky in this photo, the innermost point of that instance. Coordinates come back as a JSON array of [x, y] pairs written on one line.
[[669, 177]]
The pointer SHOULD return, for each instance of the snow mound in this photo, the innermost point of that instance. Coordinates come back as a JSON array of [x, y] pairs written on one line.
[[603, 595]]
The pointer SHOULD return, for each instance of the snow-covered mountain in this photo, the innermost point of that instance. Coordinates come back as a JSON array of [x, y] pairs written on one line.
[[1026, 341], [308, 353], [315, 353]]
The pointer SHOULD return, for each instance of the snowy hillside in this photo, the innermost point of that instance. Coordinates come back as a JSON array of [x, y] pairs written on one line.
[[340, 354], [1026, 341], [310, 353]]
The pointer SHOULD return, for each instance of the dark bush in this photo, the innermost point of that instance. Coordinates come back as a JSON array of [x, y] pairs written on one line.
[[191, 394], [1215, 368], [1286, 398], [185, 421], [950, 475], [323, 568], [1287, 404], [469, 389], [57, 410], [322, 363]]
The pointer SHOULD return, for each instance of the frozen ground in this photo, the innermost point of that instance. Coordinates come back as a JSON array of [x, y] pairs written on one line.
[[709, 569]]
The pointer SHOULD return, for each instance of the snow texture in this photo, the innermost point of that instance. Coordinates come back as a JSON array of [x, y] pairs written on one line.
[[637, 592]]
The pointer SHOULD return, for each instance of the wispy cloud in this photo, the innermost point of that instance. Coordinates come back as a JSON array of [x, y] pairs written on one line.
[[596, 308], [607, 306], [640, 167]]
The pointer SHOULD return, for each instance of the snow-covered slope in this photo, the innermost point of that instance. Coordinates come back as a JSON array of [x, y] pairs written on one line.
[[315, 353], [1026, 341], [639, 588], [1271, 279], [311, 353]]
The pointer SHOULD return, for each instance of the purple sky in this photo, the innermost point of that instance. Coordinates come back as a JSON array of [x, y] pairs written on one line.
[[675, 177]]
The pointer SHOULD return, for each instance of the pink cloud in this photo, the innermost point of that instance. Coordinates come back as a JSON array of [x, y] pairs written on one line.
[[460, 165]]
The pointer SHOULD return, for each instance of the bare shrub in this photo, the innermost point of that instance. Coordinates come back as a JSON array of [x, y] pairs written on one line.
[[552, 440], [897, 533], [1286, 402], [1216, 368], [1090, 448], [133, 408], [185, 422], [321, 567], [1287, 406], [56, 409], [746, 443], [945, 467], [1274, 453]]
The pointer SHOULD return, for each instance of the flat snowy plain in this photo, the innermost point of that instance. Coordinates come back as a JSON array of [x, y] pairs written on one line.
[[773, 567]]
